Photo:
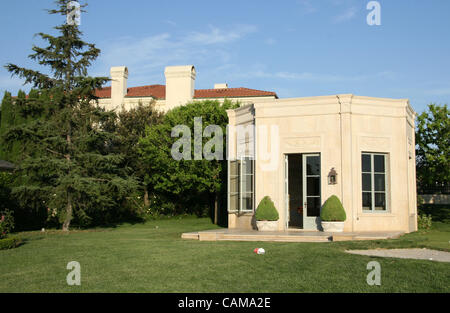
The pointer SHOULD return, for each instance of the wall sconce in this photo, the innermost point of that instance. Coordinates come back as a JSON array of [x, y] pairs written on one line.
[[332, 177]]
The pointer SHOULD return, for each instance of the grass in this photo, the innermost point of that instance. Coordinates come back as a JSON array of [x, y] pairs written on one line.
[[152, 257]]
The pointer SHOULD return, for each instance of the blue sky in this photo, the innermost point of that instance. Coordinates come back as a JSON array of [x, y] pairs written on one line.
[[296, 48]]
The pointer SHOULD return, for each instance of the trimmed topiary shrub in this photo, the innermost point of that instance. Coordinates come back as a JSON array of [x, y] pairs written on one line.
[[333, 211], [266, 210], [10, 242]]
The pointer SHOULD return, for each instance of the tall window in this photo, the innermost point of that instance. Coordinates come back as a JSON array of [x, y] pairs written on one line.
[[241, 185], [374, 182]]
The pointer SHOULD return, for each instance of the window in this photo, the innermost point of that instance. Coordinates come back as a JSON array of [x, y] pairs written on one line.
[[233, 185], [241, 185], [374, 182]]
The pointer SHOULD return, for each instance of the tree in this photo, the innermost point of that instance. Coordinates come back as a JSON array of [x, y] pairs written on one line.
[[188, 186], [433, 147], [70, 160], [131, 127], [7, 120]]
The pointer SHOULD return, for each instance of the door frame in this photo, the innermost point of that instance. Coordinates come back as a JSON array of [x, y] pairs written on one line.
[[286, 191], [310, 222]]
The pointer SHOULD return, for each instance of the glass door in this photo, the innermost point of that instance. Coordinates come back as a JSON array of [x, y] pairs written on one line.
[[311, 191]]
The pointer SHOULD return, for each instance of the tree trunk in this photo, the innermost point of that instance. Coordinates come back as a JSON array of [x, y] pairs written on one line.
[[69, 208], [216, 208], [68, 219], [146, 199]]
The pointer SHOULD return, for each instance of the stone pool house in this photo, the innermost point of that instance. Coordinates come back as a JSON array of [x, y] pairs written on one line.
[[361, 149]]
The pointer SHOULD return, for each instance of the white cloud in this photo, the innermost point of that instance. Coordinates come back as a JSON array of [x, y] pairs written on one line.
[[146, 56], [306, 6], [315, 77], [216, 35], [171, 23], [349, 14]]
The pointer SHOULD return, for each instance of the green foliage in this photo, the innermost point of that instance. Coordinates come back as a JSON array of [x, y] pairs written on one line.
[[130, 128], [266, 210], [6, 180], [333, 211], [420, 200], [10, 242], [7, 120], [6, 223], [424, 221], [185, 186], [439, 212], [70, 160], [433, 146]]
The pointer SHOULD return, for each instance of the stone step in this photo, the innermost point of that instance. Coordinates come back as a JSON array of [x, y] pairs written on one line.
[[192, 236], [277, 238], [283, 237]]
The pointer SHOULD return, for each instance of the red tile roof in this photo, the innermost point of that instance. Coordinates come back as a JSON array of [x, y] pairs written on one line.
[[159, 92], [232, 93]]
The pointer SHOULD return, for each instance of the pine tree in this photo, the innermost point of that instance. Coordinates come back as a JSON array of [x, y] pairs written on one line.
[[7, 120], [70, 160]]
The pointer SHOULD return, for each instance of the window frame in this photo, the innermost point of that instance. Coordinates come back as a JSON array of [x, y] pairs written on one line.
[[239, 163], [373, 191], [229, 185]]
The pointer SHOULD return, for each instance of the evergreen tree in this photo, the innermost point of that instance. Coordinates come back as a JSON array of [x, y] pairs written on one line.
[[7, 120], [70, 156]]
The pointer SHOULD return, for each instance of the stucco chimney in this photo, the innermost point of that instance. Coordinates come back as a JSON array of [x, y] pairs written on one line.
[[119, 76], [180, 85], [220, 86]]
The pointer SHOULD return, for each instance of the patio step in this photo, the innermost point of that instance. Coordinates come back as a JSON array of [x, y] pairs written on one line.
[[274, 238], [193, 236], [227, 235]]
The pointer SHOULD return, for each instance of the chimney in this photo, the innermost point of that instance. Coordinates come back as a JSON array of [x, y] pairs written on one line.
[[180, 85], [220, 86], [119, 76]]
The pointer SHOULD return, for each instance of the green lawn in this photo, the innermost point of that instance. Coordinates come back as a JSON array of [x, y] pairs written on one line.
[[151, 257]]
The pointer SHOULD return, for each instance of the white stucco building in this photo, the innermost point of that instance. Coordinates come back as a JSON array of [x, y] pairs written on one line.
[[367, 144]]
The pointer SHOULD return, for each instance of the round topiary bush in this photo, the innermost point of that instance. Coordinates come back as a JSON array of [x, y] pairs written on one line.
[[333, 211], [266, 210]]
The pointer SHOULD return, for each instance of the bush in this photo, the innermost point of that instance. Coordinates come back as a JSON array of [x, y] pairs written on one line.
[[424, 221], [420, 200], [333, 211], [266, 210], [439, 212], [6, 223], [10, 243]]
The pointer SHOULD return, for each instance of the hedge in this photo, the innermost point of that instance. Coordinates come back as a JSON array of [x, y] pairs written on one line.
[[266, 210], [332, 210], [10, 242]]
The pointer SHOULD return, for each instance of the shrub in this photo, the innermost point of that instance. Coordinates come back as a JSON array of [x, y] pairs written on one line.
[[6, 223], [420, 200], [266, 210], [333, 211], [424, 221], [10, 243]]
